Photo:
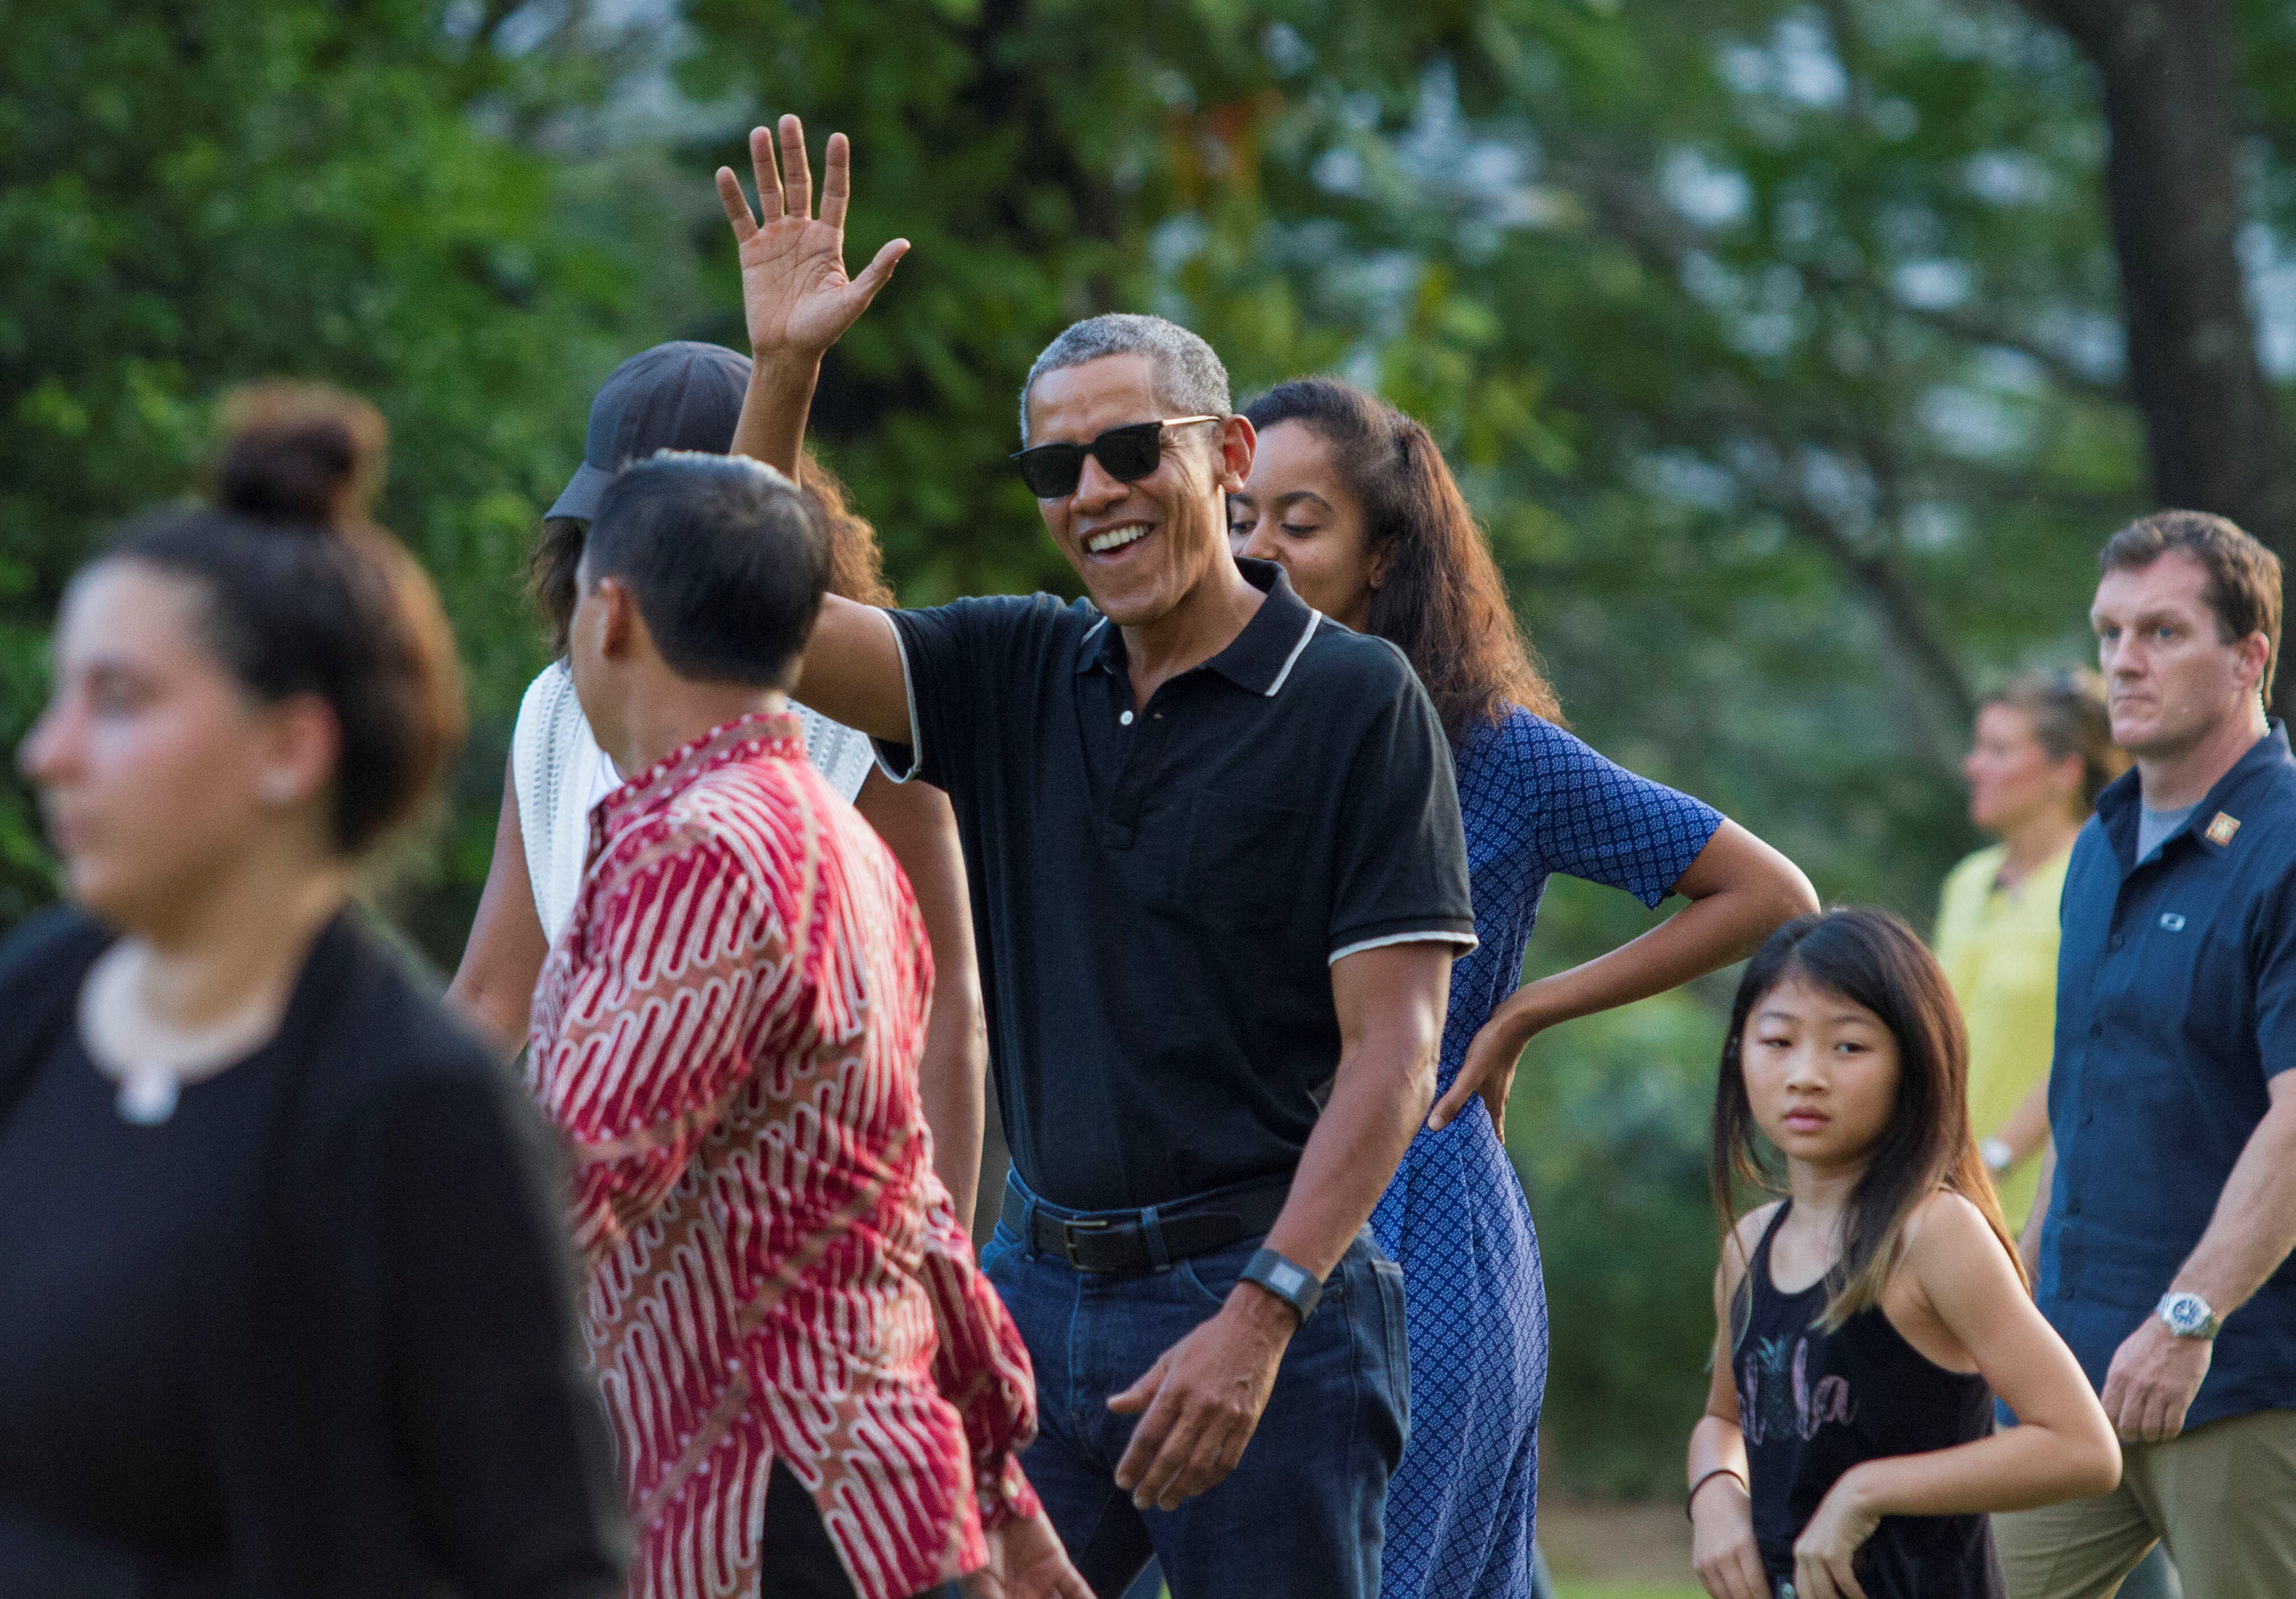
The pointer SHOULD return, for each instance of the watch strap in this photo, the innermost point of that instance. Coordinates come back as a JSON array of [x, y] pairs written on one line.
[[1287, 1280]]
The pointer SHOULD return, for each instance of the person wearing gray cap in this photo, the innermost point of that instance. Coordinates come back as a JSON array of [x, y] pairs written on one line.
[[687, 396]]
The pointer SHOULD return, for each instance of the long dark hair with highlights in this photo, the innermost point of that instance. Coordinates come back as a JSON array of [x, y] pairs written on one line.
[[1441, 601], [1872, 959]]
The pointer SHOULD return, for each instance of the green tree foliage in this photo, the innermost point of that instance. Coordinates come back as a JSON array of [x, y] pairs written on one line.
[[192, 195]]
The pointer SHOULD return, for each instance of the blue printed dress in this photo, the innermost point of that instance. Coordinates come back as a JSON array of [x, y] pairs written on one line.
[[1536, 801]]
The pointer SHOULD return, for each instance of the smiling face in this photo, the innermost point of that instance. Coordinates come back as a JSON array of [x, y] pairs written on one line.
[[1140, 547], [1296, 509], [2171, 679], [159, 774], [2013, 779], [1821, 1074]]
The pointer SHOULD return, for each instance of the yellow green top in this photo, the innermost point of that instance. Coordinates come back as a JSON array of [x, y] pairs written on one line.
[[1998, 947]]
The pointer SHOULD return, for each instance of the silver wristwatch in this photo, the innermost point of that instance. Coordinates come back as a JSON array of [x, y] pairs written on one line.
[[1997, 1154], [2188, 1316]]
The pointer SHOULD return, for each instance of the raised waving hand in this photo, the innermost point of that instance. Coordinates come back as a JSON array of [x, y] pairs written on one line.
[[795, 295]]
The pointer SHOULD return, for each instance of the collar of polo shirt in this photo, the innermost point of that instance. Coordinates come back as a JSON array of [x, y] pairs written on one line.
[[1261, 657], [2116, 806]]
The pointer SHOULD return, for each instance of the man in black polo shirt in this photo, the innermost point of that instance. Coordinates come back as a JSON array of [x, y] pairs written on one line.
[[2172, 1211], [1216, 863]]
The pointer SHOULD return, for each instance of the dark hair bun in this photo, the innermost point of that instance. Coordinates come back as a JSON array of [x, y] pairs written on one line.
[[305, 594], [300, 453]]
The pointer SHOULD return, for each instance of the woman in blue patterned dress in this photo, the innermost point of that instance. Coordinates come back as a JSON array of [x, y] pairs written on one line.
[[1356, 502]]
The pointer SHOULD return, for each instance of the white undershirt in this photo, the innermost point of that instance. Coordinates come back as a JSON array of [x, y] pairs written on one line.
[[554, 759]]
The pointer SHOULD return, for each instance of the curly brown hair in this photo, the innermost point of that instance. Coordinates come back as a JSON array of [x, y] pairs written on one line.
[[857, 566], [1442, 602]]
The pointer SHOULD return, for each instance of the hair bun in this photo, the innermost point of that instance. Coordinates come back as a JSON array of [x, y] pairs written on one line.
[[300, 453]]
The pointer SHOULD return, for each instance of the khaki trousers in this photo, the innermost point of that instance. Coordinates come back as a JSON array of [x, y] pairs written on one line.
[[2223, 1499]]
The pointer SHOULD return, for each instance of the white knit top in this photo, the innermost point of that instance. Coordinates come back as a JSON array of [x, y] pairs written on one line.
[[560, 773]]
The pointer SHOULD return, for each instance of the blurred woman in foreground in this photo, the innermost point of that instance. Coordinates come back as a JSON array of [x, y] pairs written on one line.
[[1352, 498], [285, 1306]]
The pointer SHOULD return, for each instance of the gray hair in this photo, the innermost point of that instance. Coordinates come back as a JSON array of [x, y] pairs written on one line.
[[1190, 380]]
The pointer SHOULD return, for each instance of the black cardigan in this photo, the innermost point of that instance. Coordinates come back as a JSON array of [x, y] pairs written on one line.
[[400, 1409]]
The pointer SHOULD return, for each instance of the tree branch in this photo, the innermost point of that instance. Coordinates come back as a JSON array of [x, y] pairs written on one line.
[[2212, 415], [1643, 221], [1982, 330]]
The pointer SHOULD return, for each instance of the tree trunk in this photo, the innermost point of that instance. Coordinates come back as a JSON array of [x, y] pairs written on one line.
[[2212, 417]]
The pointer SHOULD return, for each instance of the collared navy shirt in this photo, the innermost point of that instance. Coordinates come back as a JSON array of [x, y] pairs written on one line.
[[1160, 890], [2176, 1005]]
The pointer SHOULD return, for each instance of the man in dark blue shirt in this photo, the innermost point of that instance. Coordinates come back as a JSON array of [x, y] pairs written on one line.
[[2172, 1211]]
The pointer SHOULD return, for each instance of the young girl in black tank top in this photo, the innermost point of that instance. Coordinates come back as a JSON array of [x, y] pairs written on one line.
[[1866, 1320]]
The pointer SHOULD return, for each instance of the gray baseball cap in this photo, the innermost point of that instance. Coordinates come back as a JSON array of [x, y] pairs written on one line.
[[679, 396]]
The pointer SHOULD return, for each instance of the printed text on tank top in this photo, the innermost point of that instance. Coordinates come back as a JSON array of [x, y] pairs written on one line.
[[1775, 1393]]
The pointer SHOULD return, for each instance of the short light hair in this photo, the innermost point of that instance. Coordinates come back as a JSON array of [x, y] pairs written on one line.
[[1189, 381], [2243, 586]]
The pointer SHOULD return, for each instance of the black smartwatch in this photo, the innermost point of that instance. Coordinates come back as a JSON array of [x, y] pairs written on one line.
[[1295, 1286]]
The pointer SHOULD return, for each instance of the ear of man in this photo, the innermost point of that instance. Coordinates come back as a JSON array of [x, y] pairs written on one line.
[[2255, 655], [623, 637], [1238, 443]]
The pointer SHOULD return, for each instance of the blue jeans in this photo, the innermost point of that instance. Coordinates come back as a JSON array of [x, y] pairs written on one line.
[[1302, 1513]]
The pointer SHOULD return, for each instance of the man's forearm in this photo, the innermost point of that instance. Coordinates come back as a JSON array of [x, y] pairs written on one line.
[[1391, 1002], [772, 425], [2254, 1227], [1350, 1157]]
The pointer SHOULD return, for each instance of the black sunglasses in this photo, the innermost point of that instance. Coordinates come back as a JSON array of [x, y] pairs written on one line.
[[1128, 453]]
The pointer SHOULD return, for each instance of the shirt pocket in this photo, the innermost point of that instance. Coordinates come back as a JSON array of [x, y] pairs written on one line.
[[1244, 861], [2191, 984]]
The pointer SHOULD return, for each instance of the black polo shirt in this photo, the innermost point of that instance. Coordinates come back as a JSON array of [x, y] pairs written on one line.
[[1160, 893]]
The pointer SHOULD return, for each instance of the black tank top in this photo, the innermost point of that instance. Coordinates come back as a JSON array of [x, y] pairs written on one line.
[[1813, 1404]]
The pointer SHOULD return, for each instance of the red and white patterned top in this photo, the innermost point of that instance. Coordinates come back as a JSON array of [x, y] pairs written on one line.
[[728, 1034]]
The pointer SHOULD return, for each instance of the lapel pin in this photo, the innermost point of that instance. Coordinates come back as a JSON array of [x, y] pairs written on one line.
[[2222, 828]]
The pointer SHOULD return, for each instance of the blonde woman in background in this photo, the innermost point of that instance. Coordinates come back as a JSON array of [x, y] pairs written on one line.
[[2042, 751]]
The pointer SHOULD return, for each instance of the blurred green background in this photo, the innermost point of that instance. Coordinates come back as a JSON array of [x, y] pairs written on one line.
[[1778, 344]]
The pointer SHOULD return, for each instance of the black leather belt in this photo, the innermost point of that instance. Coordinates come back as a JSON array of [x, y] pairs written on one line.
[[1113, 1240]]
